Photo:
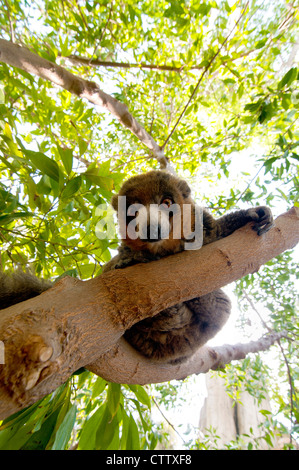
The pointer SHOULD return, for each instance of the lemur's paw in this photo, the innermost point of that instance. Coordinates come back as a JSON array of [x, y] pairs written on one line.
[[262, 218]]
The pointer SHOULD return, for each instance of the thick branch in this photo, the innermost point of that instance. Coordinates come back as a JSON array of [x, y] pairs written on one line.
[[77, 323], [21, 57], [121, 365]]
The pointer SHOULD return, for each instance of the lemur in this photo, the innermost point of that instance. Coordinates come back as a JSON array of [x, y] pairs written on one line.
[[174, 334], [177, 332]]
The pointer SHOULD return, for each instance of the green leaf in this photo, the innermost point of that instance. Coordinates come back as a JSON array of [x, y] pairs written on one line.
[[288, 78], [132, 435], [7, 218], [203, 8], [265, 412], [39, 440], [2, 94], [64, 431], [83, 145], [63, 45], [71, 187], [88, 434], [43, 163], [108, 427], [260, 44], [268, 439], [229, 81], [32, 428], [113, 398], [253, 107], [66, 156], [141, 394], [174, 10], [93, 174], [124, 430], [98, 387]]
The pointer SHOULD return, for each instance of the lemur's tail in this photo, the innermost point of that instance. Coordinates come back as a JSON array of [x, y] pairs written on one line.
[[20, 286]]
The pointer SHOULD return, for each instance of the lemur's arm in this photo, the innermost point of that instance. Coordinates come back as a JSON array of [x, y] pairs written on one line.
[[226, 225], [20, 286], [214, 229]]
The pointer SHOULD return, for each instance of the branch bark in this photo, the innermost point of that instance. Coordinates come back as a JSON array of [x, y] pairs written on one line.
[[76, 323], [22, 58], [121, 365]]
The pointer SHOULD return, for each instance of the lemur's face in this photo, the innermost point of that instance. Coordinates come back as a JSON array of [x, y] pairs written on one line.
[[150, 211]]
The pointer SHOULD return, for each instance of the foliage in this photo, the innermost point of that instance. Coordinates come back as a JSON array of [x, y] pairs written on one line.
[[105, 416], [60, 158]]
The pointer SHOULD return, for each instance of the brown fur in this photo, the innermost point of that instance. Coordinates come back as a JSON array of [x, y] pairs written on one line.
[[20, 286]]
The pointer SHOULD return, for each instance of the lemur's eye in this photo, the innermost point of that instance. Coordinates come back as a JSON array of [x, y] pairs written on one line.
[[166, 202]]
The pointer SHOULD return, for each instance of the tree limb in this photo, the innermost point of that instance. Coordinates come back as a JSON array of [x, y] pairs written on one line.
[[78, 323], [122, 366], [22, 58]]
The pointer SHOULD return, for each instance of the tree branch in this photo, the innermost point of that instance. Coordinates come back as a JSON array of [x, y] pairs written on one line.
[[122, 366], [21, 57], [76, 323], [85, 61]]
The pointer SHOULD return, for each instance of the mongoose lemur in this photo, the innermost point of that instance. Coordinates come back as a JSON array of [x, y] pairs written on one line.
[[151, 212]]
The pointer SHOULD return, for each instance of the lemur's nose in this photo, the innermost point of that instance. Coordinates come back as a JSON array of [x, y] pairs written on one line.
[[153, 233]]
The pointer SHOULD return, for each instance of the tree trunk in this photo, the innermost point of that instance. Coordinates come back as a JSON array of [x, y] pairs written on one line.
[[78, 323], [233, 419]]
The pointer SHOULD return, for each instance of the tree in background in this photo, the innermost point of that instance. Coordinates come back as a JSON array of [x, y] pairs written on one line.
[[212, 86]]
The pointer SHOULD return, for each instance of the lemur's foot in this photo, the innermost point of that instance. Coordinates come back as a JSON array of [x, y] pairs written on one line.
[[262, 218]]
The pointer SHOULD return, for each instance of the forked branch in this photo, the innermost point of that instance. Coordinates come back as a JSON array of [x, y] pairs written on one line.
[[22, 58], [76, 323]]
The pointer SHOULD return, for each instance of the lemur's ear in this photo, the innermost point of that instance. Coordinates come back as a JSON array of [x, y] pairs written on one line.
[[184, 188], [114, 201]]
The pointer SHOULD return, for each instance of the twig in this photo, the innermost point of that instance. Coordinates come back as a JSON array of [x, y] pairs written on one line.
[[290, 379], [102, 34], [202, 76], [292, 390], [168, 422], [270, 330], [12, 33]]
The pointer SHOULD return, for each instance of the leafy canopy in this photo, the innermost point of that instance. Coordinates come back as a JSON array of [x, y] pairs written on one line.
[[60, 157]]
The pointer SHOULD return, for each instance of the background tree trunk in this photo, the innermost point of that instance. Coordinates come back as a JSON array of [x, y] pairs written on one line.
[[76, 323], [230, 419]]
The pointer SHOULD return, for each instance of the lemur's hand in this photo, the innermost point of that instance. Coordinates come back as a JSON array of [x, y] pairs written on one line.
[[262, 218]]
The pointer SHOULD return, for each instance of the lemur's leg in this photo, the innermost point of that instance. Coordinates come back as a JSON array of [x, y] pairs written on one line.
[[177, 332], [210, 313]]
